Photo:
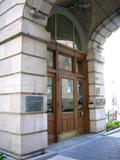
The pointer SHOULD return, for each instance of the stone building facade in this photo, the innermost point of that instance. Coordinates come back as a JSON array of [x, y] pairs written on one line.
[[23, 68]]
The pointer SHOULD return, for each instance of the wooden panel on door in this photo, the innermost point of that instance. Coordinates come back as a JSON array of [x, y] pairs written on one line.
[[68, 122], [51, 129], [67, 105]]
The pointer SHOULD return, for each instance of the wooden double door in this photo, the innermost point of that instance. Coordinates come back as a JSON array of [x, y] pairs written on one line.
[[67, 102]]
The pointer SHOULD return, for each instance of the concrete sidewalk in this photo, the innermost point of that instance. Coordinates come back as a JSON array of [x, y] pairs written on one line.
[[59, 157], [88, 147]]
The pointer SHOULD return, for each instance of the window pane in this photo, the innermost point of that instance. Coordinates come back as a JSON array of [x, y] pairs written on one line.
[[67, 95], [65, 63], [50, 95], [64, 30], [50, 59], [80, 95], [79, 67], [77, 43], [51, 26]]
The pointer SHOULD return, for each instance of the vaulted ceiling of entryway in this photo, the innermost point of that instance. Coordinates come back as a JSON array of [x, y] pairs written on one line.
[[91, 13]]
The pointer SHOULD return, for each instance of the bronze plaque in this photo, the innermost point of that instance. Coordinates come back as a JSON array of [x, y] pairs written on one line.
[[100, 101], [34, 104]]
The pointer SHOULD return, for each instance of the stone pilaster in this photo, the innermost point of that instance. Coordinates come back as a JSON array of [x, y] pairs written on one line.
[[23, 75], [96, 90]]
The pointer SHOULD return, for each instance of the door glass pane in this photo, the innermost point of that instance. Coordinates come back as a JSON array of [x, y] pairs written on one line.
[[64, 30], [50, 95], [67, 95], [65, 63], [80, 95], [50, 59]]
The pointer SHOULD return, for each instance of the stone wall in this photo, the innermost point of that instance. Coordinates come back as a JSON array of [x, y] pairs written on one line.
[[23, 73]]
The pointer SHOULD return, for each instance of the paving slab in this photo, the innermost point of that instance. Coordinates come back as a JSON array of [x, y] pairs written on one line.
[[59, 157], [89, 147]]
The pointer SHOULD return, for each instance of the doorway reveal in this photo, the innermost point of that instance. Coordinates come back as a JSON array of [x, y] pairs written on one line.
[[67, 101]]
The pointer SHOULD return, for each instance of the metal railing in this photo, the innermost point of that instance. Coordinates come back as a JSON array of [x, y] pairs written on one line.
[[112, 116]]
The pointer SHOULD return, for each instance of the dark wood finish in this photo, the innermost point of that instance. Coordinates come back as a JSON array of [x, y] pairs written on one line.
[[52, 136], [67, 118], [62, 122], [51, 128], [86, 93], [68, 122], [81, 115]]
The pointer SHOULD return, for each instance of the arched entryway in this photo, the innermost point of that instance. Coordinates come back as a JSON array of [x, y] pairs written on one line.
[[68, 113], [23, 75]]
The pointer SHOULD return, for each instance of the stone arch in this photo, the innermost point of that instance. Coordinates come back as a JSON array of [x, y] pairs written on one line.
[[45, 7], [95, 70], [104, 30]]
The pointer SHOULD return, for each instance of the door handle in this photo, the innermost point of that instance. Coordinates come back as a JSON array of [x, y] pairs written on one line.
[[81, 113]]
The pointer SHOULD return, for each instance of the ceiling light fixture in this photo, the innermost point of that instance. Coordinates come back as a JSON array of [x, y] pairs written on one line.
[[78, 7]]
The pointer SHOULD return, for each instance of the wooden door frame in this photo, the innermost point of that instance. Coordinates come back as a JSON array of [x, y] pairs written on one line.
[[54, 102], [65, 75], [59, 49]]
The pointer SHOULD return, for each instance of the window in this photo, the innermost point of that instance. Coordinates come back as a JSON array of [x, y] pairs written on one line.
[[50, 95], [77, 43], [80, 95], [50, 59], [67, 95], [63, 31], [65, 63], [79, 67], [51, 26]]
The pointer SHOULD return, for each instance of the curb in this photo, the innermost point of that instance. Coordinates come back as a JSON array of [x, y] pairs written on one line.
[[45, 156], [105, 133]]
